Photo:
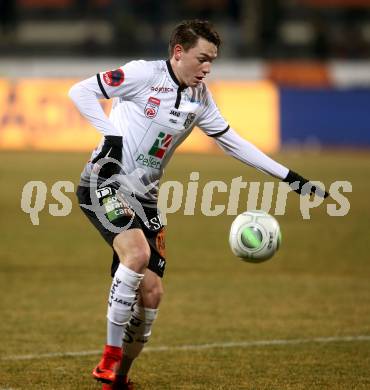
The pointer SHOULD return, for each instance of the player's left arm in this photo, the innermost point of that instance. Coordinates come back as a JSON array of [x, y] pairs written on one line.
[[236, 146], [214, 125]]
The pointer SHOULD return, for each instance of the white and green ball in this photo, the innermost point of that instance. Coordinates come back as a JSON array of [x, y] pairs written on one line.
[[254, 236]]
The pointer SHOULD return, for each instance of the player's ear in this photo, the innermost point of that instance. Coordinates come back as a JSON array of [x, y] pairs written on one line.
[[177, 51]]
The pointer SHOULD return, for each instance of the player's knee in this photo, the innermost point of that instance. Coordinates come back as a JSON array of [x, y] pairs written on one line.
[[135, 257], [139, 255]]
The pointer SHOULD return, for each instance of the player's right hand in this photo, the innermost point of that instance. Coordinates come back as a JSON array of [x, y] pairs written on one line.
[[112, 148]]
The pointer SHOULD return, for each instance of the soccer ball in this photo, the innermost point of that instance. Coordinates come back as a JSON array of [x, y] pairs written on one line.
[[254, 236]]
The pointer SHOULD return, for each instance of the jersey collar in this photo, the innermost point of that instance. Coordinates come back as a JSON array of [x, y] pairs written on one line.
[[173, 76]]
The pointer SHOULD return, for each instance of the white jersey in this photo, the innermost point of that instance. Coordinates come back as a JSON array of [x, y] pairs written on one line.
[[154, 114]]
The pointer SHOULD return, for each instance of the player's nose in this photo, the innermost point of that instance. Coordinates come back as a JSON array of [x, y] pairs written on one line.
[[206, 68]]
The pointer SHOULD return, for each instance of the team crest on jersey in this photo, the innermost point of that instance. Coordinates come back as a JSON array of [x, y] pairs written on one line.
[[189, 120], [152, 107], [114, 78]]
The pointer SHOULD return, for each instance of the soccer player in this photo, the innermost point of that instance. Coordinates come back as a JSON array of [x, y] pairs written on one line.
[[156, 105]]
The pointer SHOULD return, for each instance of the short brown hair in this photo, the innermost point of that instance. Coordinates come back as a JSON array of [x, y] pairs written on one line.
[[188, 32]]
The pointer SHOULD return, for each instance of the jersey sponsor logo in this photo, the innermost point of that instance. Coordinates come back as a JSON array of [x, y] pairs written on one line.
[[156, 152], [162, 89], [175, 113], [189, 120], [148, 161], [152, 107], [114, 78], [160, 145]]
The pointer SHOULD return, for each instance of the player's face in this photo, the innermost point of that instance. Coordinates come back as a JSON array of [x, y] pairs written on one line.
[[192, 66]]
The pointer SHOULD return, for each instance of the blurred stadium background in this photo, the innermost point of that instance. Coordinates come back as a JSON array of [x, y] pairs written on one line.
[[290, 71], [293, 77]]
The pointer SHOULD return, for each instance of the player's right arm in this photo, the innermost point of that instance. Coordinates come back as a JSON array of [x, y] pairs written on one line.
[[85, 95], [126, 81]]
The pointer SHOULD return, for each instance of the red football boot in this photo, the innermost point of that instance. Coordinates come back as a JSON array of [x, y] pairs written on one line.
[[121, 382], [104, 371]]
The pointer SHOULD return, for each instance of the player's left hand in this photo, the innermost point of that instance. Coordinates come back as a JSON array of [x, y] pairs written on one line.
[[304, 186], [112, 148]]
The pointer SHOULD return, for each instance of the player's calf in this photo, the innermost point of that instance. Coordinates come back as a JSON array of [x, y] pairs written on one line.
[[138, 331]]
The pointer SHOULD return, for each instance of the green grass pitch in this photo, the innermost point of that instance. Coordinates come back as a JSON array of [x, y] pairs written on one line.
[[54, 282]]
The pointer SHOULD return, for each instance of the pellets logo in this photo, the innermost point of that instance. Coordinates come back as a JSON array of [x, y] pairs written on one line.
[[152, 107], [160, 145]]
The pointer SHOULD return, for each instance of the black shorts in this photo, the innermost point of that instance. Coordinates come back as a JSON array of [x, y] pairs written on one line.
[[119, 214]]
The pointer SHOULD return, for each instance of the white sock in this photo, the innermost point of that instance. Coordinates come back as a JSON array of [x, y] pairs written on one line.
[[114, 334], [122, 297], [138, 330]]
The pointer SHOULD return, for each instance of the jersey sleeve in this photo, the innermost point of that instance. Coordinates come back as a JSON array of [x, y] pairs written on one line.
[[234, 145], [85, 95], [126, 81], [210, 119]]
